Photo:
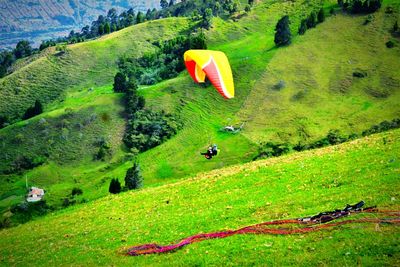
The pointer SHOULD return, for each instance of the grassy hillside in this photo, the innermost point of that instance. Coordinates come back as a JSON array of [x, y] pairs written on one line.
[[314, 99], [83, 65], [317, 71], [202, 110], [292, 186]]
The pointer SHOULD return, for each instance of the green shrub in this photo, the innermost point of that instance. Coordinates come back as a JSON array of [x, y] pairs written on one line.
[[390, 44], [76, 191], [115, 186]]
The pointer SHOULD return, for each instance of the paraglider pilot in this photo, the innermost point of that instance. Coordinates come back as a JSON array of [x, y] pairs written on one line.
[[211, 151]]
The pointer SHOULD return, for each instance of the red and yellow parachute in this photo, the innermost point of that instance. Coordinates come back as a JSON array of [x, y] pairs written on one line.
[[214, 65]]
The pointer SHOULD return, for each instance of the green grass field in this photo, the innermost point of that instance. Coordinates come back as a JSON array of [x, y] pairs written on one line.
[[291, 186], [314, 99]]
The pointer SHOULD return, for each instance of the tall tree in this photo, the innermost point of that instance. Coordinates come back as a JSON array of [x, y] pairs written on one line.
[[23, 49], [107, 28], [115, 186], [303, 27], [312, 20], [282, 32], [140, 17], [101, 29], [321, 16], [133, 101], [133, 177], [164, 4], [207, 18], [119, 85]]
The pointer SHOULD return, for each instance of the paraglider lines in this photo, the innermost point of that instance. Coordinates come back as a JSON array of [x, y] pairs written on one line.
[[309, 224]]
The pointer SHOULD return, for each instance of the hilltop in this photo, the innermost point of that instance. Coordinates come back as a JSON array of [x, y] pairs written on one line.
[[290, 186]]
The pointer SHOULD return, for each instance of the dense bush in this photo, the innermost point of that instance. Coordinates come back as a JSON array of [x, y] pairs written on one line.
[[145, 128], [270, 149], [115, 186], [76, 191], [104, 150], [148, 129], [25, 211], [383, 126], [282, 32], [23, 162], [165, 64], [360, 6], [33, 111], [333, 137], [3, 121]]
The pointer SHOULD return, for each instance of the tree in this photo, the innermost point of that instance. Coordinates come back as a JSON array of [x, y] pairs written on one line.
[[251, 2], [171, 3], [217, 8], [140, 17], [101, 29], [282, 32], [107, 28], [164, 4], [133, 177], [312, 21], [76, 191], [133, 101], [148, 14], [207, 17], [303, 27], [198, 41], [115, 186], [23, 49], [321, 16], [112, 15], [119, 85], [3, 121]]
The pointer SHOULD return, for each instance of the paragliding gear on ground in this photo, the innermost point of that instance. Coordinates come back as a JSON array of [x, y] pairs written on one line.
[[211, 151], [289, 226], [232, 129]]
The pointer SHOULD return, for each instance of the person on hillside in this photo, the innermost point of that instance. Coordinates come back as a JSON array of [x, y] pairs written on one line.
[[211, 151]]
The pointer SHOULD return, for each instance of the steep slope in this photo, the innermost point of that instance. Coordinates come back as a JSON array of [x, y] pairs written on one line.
[[286, 187], [83, 65], [318, 73], [303, 111]]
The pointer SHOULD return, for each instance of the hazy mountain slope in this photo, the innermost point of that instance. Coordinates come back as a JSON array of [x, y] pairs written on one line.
[[39, 20], [292, 186]]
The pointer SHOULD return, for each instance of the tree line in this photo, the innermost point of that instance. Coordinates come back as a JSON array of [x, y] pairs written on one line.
[[166, 63]]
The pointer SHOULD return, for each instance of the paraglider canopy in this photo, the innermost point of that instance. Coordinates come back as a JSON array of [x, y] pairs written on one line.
[[214, 65]]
